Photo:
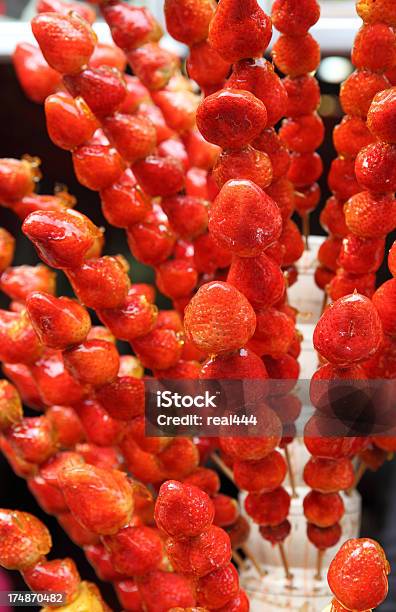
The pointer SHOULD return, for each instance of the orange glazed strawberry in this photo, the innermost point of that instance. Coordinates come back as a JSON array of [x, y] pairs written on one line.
[[231, 118], [52, 575], [178, 107], [303, 95], [59, 322], [351, 135], [99, 428], [108, 55], [135, 551], [376, 36], [349, 331], [97, 166], [187, 215], [265, 475], [373, 11], [361, 255], [136, 317], [282, 192], [134, 137], [248, 164], [239, 603], [342, 180], [160, 176], [205, 66], [183, 510], [67, 42], [269, 142], [302, 134], [328, 253], [130, 26], [381, 115], [188, 20], [276, 534], [384, 301], [123, 398], [63, 239], [100, 499], [176, 278], [67, 425], [259, 278], [219, 318], [160, 349], [218, 587], [244, 219], [16, 180], [70, 122], [323, 509], [10, 405], [58, 6], [259, 77], [295, 17], [296, 55], [329, 475], [274, 333], [24, 539], [19, 281], [210, 256], [268, 509], [36, 78], [153, 65], [359, 89], [358, 574], [7, 249], [375, 167], [255, 449], [201, 555], [103, 89], [94, 362], [162, 590], [324, 537], [54, 381], [305, 169], [239, 31], [306, 199], [123, 203], [242, 364], [370, 215], [18, 340]]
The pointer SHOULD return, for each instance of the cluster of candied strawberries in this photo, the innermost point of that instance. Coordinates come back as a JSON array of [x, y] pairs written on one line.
[[205, 181]]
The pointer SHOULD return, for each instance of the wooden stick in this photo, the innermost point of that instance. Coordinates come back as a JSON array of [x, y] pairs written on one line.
[[319, 564], [324, 302], [306, 230], [261, 572], [222, 466], [291, 473], [285, 562], [360, 472], [238, 559]]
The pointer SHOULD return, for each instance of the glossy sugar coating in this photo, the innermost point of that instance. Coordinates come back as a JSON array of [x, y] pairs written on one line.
[[240, 30], [269, 142], [302, 134], [176, 278], [249, 164], [295, 17], [342, 180], [263, 475], [329, 475], [275, 332], [219, 318], [328, 253], [160, 176], [358, 574], [187, 215], [324, 537], [375, 167], [153, 65], [351, 135], [296, 55], [70, 122], [242, 364], [18, 340], [24, 539], [268, 509], [10, 405], [94, 362], [282, 192], [361, 255], [67, 42], [240, 603], [123, 398], [373, 11], [205, 66], [135, 550], [199, 556], [303, 95], [57, 6], [19, 281], [123, 203], [244, 219], [37, 79], [381, 115], [305, 169], [323, 509], [160, 590], [188, 20], [359, 89], [218, 587], [183, 510], [384, 300], [49, 576], [97, 166], [276, 534], [16, 180], [136, 317], [370, 215], [344, 283], [130, 26], [226, 510], [231, 118], [374, 48], [134, 137], [349, 331], [160, 349], [254, 449], [103, 89]]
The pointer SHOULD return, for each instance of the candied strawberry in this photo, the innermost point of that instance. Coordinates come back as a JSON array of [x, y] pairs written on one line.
[[66, 41], [349, 331], [361, 255], [305, 168], [52, 575], [231, 118], [219, 318], [67, 425], [99, 427], [160, 176], [202, 154], [130, 26], [295, 17], [153, 65], [178, 107], [329, 475], [218, 587], [328, 253], [259, 279], [342, 180], [264, 475], [100, 499], [94, 362], [351, 135], [324, 537], [359, 89], [249, 164], [70, 122], [370, 215], [238, 31], [332, 218], [19, 281], [239, 603], [34, 201], [268, 509], [365, 560], [150, 111], [373, 11], [76, 532], [209, 256], [161, 590], [176, 278], [187, 215], [37, 79], [179, 458], [381, 115], [344, 283], [7, 250], [18, 340], [296, 55], [24, 540], [276, 534], [100, 283], [183, 510], [384, 301], [158, 350], [205, 66], [151, 243], [59, 322], [242, 364], [33, 438], [205, 479], [135, 551], [226, 510], [302, 134], [123, 398], [274, 333], [269, 142], [108, 55], [174, 147], [255, 449], [123, 203], [292, 242], [375, 167], [54, 381], [136, 317], [282, 192], [323, 509], [243, 200], [303, 95], [10, 405], [306, 199], [134, 137], [199, 556], [16, 180], [259, 77], [188, 21], [64, 8], [97, 166], [380, 37]]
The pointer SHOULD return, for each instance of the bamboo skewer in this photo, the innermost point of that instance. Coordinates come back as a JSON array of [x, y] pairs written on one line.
[[222, 466], [285, 562], [261, 572], [306, 229], [291, 474], [319, 565]]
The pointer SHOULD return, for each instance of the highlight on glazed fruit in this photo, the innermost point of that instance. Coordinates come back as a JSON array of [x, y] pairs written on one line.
[[190, 375]]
